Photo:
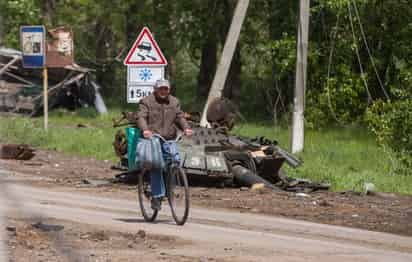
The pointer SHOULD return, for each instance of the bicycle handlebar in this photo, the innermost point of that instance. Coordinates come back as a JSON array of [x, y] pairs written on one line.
[[178, 138]]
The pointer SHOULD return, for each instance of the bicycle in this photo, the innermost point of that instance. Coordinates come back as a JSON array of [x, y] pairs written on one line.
[[177, 190]]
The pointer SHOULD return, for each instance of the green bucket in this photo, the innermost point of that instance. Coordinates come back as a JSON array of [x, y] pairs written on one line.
[[133, 135]]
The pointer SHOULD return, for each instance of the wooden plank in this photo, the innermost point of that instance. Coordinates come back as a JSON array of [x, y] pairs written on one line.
[[14, 60]]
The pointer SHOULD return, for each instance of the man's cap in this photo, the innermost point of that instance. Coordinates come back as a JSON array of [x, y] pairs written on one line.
[[162, 83]]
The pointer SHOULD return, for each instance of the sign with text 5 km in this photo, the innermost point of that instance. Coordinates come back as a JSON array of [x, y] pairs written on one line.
[[145, 65]]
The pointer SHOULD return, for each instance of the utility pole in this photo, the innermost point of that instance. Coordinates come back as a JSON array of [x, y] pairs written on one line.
[[298, 134], [227, 55]]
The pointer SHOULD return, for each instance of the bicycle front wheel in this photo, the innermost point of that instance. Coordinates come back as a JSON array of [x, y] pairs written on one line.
[[178, 194], [145, 197]]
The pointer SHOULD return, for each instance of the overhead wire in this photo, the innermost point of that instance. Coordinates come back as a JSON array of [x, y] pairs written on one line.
[[370, 99], [368, 49], [331, 52]]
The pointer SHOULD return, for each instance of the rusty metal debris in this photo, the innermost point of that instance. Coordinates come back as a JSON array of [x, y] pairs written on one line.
[[21, 88], [221, 113], [16, 152], [60, 47]]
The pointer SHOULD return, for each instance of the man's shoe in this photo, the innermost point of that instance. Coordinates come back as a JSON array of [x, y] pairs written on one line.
[[156, 203]]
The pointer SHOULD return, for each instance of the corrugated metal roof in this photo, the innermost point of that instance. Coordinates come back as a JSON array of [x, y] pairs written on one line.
[[9, 52]]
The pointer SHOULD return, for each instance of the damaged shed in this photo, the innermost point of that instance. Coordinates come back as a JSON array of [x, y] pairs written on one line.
[[21, 88]]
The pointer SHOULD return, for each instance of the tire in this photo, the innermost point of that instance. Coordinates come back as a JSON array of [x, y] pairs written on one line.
[[178, 194], [145, 197]]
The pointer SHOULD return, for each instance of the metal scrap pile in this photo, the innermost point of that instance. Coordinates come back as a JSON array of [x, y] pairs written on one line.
[[21, 88], [212, 153]]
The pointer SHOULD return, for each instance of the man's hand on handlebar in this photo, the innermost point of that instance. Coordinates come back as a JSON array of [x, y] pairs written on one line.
[[148, 134], [188, 132]]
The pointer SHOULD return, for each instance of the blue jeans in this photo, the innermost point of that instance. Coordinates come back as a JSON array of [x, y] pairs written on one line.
[[170, 153]]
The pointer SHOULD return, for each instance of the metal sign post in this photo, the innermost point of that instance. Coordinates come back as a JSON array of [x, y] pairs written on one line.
[[45, 98], [33, 46], [145, 65]]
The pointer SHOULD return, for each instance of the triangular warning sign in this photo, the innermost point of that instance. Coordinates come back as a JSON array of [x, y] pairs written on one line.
[[145, 51]]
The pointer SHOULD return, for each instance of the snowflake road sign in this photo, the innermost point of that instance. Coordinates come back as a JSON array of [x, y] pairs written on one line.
[[145, 74], [138, 75]]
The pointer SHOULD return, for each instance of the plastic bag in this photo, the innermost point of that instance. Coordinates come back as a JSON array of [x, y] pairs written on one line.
[[171, 151], [133, 136], [149, 154]]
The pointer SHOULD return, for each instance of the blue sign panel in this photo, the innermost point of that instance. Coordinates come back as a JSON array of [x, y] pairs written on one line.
[[32, 39]]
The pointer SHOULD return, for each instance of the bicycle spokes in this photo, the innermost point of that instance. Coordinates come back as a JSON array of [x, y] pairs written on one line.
[[145, 197], [178, 195]]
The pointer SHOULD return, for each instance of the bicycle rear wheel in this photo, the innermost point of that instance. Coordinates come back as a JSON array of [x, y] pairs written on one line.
[[145, 197], [178, 194]]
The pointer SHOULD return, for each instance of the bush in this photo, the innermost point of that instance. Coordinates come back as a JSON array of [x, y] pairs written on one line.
[[392, 124]]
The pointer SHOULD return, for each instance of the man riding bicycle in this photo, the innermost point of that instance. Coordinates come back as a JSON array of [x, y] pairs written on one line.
[[160, 113]]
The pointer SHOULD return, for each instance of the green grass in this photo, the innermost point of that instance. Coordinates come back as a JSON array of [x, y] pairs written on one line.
[[63, 134], [347, 158]]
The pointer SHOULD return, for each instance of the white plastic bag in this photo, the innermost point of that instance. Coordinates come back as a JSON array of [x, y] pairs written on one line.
[[149, 154]]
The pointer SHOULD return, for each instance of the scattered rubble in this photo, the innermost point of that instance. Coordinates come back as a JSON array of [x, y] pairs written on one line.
[[21, 88], [16, 152]]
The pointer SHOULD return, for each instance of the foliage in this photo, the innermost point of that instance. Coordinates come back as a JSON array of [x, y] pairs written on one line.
[[13, 14], [372, 35], [63, 134], [392, 125]]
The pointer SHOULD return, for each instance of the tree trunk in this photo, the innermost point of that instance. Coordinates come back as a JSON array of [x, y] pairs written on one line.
[[171, 73], [49, 7], [1, 29], [233, 83], [133, 26], [207, 66], [165, 19], [104, 74], [282, 18]]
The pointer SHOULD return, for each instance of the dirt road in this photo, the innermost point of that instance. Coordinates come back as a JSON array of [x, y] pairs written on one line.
[[3, 249], [218, 234]]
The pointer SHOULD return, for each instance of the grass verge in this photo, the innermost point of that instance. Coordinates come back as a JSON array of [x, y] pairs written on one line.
[[347, 158]]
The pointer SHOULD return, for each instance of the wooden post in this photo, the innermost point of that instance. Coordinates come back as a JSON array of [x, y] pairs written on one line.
[[45, 98], [227, 55], [297, 138]]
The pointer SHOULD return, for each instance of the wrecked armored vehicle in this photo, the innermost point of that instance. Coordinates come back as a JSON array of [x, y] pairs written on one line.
[[213, 155]]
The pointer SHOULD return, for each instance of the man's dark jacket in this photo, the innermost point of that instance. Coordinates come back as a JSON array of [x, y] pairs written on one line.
[[161, 116]]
